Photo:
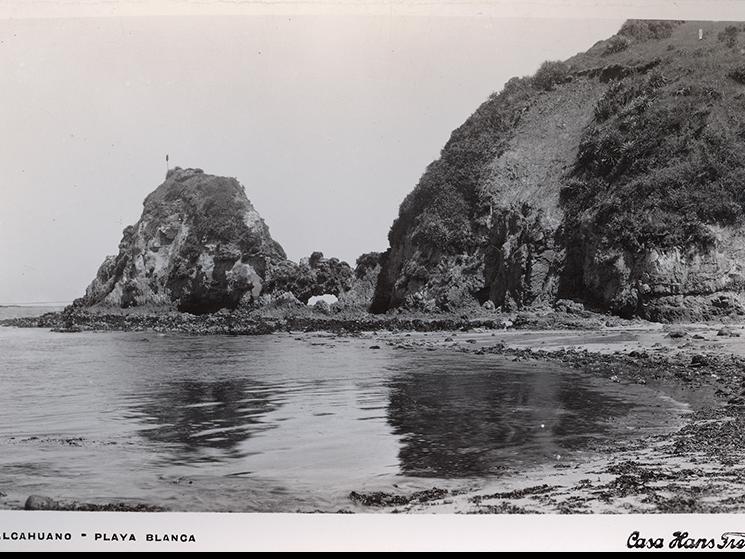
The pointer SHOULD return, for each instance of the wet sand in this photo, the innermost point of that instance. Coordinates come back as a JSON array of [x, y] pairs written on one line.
[[695, 467]]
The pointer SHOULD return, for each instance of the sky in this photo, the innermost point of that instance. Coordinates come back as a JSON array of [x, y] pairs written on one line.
[[327, 120]]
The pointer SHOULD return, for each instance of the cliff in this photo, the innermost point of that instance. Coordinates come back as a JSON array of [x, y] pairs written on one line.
[[361, 290], [199, 246], [614, 178]]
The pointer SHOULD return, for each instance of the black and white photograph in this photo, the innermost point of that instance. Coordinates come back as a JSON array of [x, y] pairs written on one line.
[[372, 263]]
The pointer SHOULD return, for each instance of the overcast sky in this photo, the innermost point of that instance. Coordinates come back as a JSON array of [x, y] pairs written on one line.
[[328, 121]]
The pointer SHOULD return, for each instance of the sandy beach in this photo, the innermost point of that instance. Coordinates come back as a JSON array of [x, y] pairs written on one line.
[[691, 468]]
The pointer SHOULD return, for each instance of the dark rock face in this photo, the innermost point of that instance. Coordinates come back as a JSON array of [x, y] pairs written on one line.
[[482, 224], [199, 246], [613, 178], [360, 294], [313, 276]]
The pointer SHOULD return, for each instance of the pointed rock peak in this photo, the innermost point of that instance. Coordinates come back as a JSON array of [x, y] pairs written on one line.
[[199, 246]]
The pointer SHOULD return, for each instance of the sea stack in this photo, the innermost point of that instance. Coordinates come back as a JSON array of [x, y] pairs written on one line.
[[199, 246]]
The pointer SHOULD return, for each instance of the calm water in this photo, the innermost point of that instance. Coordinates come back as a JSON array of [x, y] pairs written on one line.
[[20, 311], [275, 423]]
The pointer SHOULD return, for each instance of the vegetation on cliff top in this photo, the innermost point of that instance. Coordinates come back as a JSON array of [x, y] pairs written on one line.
[[658, 165], [440, 209], [664, 155], [195, 229], [216, 207], [662, 142]]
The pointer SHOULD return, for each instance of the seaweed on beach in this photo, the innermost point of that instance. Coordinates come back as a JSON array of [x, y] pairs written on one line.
[[383, 499], [38, 502], [516, 494]]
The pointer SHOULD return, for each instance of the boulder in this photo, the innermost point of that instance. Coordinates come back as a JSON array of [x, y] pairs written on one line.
[[39, 502]]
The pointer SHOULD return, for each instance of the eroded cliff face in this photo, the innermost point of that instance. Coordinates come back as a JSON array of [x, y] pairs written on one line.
[[509, 253], [671, 284], [361, 289], [614, 178], [199, 246]]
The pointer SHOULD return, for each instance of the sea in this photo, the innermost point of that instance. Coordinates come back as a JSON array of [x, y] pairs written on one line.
[[289, 422]]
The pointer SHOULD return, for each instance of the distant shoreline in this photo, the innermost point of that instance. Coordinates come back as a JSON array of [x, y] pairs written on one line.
[[271, 319], [35, 305], [303, 318]]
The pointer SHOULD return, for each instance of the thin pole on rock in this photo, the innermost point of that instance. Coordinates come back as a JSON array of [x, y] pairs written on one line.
[[166, 164]]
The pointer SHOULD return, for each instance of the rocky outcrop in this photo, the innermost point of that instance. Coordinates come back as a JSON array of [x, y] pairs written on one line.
[[199, 246], [613, 179], [360, 294], [673, 283], [313, 276], [505, 190]]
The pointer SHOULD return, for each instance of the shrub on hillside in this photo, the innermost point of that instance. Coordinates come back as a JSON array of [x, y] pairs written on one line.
[[438, 210], [617, 43], [413, 270], [646, 29], [729, 35], [550, 74], [629, 95], [445, 226], [514, 86], [738, 74], [366, 262], [617, 96], [655, 80], [651, 171]]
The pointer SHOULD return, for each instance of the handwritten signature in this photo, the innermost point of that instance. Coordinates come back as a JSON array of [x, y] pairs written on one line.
[[684, 540]]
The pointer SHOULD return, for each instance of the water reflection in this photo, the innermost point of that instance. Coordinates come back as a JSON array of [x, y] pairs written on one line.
[[586, 413], [275, 423], [465, 423], [206, 421]]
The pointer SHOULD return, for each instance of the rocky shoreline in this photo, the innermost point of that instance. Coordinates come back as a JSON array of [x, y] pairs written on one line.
[[308, 319], [690, 470]]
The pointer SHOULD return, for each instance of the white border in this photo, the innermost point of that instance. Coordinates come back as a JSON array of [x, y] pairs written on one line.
[[362, 532], [650, 9]]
